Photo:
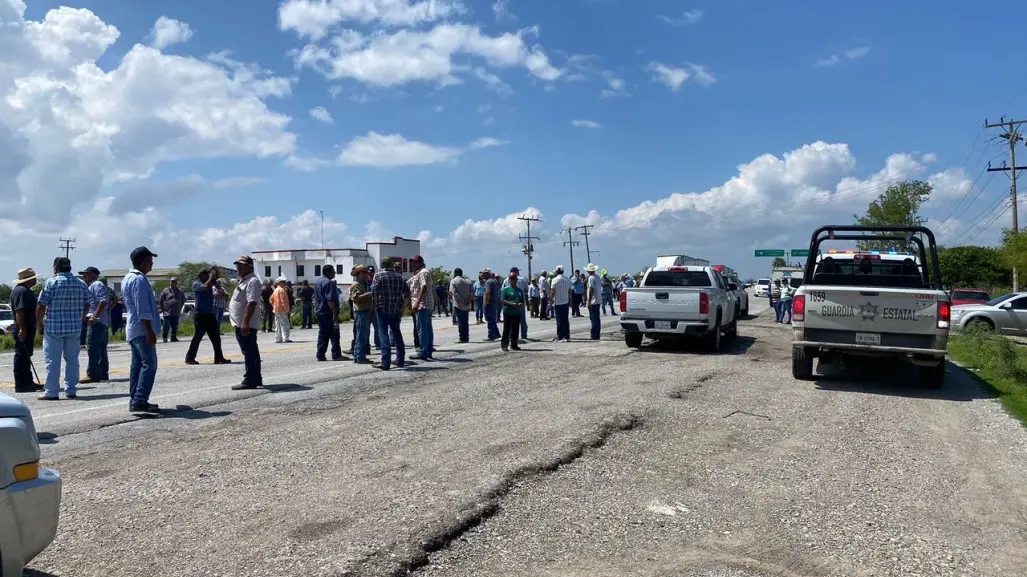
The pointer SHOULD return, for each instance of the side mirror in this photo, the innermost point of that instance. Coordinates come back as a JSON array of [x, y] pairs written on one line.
[[732, 287], [1005, 306]]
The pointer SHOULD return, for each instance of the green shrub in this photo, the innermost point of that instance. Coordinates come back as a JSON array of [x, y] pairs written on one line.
[[999, 362]]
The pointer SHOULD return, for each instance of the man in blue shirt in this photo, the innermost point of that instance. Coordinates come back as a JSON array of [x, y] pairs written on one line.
[[328, 315], [64, 301], [578, 288], [140, 331], [99, 319], [205, 322]]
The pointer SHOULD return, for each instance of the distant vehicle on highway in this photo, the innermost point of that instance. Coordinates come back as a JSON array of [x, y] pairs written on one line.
[[962, 296], [679, 302], [729, 274], [872, 304], [763, 287], [1006, 314], [30, 497]]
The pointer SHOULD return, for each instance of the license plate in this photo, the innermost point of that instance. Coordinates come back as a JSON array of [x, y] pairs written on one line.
[[661, 325], [868, 339]]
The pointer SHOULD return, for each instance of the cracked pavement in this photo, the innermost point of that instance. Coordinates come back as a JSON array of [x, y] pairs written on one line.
[[562, 460]]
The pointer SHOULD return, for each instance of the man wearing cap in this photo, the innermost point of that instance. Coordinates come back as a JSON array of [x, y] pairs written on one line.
[[170, 304], [306, 306], [389, 296], [98, 368], [559, 294], [512, 300], [479, 299], [543, 291], [64, 302], [265, 300], [141, 330], [282, 307], [521, 283], [463, 296], [595, 300], [491, 304], [245, 316], [23, 303], [328, 310], [205, 321], [360, 297], [422, 294]]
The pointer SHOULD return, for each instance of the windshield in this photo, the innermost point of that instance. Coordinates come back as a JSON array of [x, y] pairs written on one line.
[[763, 281], [667, 278], [1000, 299], [6, 315], [971, 295]]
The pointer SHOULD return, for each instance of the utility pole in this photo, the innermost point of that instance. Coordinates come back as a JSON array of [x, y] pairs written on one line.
[[529, 247], [66, 246], [571, 243], [1012, 134], [585, 232]]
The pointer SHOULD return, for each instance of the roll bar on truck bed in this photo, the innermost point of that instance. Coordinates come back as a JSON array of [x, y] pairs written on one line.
[[905, 234]]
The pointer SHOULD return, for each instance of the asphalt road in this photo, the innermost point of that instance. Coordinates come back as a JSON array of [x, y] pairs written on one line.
[[579, 459]]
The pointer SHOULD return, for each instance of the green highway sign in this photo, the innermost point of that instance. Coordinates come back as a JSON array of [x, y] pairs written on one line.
[[774, 252], [799, 252]]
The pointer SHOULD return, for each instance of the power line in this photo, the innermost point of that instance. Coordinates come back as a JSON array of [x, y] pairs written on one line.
[[996, 216], [570, 242], [529, 246], [585, 232], [67, 246], [1012, 135]]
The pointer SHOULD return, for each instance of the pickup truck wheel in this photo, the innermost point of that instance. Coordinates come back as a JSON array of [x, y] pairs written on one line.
[[713, 338], [732, 330], [981, 324], [932, 377], [745, 311], [633, 340], [802, 363]]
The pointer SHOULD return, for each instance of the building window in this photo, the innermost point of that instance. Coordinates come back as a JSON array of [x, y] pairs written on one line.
[[267, 271], [317, 270], [279, 270], [299, 271]]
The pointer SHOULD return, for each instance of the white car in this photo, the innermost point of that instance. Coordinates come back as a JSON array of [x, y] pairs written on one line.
[[30, 497], [6, 320], [763, 287]]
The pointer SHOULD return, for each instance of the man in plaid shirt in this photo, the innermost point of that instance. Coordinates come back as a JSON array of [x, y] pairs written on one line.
[[64, 302], [389, 294]]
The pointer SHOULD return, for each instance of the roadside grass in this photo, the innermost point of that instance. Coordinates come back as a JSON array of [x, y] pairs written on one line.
[[997, 361]]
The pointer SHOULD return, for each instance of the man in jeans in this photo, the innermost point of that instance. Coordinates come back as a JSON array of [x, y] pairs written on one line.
[[65, 302], [141, 331], [786, 301], [360, 296], [389, 294], [463, 294], [422, 294], [307, 306], [97, 334], [24, 303], [328, 316], [170, 305], [244, 312], [205, 320], [559, 294]]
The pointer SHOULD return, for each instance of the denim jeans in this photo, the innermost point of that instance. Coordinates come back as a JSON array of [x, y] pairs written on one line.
[[543, 310], [786, 307], [593, 315], [426, 332], [327, 332], [251, 357], [524, 324], [170, 322], [388, 328], [479, 308], [54, 348], [142, 371], [23, 377], [777, 310], [491, 312], [362, 339], [510, 322], [219, 314], [462, 324], [98, 368], [563, 322], [608, 300], [576, 303], [308, 316]]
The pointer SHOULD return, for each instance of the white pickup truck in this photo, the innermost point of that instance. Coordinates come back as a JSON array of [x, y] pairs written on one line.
[[677, 302], [872, 303], [30, 497]]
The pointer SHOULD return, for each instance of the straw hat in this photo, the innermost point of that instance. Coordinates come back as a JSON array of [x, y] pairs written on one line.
[[25, 275]]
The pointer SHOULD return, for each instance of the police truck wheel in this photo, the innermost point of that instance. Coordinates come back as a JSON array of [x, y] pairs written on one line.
[[932, 377], [802, 363], [633, 340], [712, 338]]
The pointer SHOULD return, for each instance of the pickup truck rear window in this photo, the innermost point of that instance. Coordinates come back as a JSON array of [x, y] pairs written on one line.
[[667, 278], [867, 272]]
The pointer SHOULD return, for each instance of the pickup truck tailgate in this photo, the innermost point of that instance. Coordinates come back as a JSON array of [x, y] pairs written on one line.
[[877, 316], [654, 303]]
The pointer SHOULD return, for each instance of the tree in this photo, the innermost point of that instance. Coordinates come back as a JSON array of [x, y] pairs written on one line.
[[898, 206], [1013, 250], [974, 267], [38, 287], [440, 275], [778, 262], [188, 272], [5, 293]]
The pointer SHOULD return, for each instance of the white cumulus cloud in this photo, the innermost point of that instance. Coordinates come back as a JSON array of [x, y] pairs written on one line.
[[167, 31], [321, 114]]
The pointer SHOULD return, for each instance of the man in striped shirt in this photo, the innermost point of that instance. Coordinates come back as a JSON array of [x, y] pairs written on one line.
[[64, 302]]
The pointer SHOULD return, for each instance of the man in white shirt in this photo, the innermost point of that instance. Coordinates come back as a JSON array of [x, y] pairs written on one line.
[[594, 294], [543, 289], [242, 310], [559, 295]]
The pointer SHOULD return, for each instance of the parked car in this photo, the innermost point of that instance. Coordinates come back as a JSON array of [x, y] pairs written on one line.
[[763, 287], [872, 304], [679, 302], [6, 320], [962, 296], [30, 496], [1006, 314]]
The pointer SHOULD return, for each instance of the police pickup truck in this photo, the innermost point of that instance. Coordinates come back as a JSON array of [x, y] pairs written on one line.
[[679, 302], [872, 303]]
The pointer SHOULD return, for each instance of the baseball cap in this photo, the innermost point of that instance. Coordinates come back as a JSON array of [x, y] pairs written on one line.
[[141, 253], [62, 262], [173, 279], [418, 258], [244, 259], [515, 269], [458, 271], [90, 269]]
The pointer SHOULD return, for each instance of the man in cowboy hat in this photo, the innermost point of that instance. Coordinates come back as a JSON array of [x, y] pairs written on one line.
[[97, 332], [595, 299], [23, 303], [360, 296]]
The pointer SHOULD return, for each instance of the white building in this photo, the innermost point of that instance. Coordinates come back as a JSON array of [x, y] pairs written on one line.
[[158, 274], [305, 264]]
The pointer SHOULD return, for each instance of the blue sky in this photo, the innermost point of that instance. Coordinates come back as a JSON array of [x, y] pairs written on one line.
[[911, 78]]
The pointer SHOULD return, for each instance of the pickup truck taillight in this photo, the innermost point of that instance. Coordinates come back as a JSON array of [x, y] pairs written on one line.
[[704, 304], [799, 308], [944, 315], [623, 301]]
